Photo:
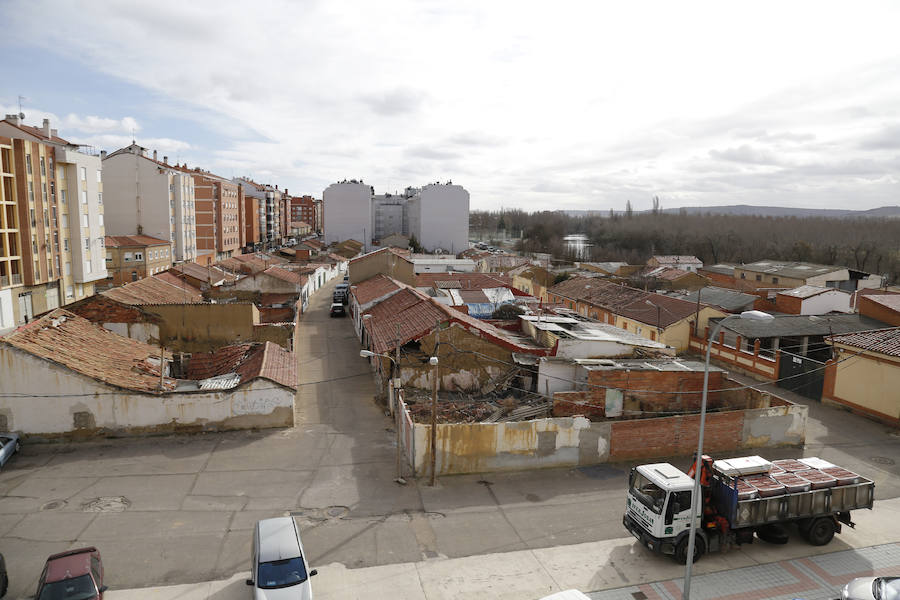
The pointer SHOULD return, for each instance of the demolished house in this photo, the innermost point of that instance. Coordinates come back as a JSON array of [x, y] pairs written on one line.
[[63, 374]]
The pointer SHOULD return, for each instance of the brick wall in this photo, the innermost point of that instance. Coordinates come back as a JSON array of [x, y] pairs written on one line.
[[873, 310], [100, 309], [674, 436], [659, 391], [788, 304]]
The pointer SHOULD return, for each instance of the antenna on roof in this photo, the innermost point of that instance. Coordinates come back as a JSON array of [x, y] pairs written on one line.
[[21, 114]]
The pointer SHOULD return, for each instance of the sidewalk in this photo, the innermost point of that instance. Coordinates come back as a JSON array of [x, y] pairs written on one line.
[[619, 568]]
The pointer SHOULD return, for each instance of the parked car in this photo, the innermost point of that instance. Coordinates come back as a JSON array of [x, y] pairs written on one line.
[[872, 588], [337, 309], [346, 278], [72, 575], [278, 561], [9, 445], [4, 580]]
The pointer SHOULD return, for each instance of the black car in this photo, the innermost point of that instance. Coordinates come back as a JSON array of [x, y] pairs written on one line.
[[337, 309]]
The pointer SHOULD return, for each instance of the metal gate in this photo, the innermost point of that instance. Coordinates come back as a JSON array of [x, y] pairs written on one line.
[[802, 375]]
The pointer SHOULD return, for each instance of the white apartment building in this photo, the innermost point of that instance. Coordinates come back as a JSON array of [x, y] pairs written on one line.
[[436, 214], [145, 196], [347, 213]]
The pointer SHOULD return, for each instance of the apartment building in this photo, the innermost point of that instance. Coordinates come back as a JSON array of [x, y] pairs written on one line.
[[133, 257], [437, 215], [304, 209], [218, 211], [251, 223], [145, 196], [270, 209], [53, 223]]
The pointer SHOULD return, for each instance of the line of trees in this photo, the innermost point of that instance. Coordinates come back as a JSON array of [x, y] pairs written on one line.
[[866, 244]]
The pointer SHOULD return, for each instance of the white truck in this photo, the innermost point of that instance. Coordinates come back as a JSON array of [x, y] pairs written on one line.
[[740, 497]]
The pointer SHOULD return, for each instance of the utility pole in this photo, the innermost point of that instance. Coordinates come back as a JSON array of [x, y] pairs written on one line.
[[434, 399], [397, 415]]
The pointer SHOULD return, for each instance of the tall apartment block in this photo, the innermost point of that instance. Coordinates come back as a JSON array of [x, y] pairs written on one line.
[[304, 209], [52, 225], [270, 209], [218, 208], [146, 196], [436, 214], [347, 208]]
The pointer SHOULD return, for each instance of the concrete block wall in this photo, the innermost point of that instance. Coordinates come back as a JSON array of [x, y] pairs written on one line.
[[576, 441]]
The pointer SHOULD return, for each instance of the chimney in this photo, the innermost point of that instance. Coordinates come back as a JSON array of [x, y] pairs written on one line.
[[154, 155], [14, 119], [45, 128], [103, 155], [54, 132], [165, 160]]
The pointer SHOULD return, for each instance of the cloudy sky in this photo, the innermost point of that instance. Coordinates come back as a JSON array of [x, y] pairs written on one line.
[[535, 105]]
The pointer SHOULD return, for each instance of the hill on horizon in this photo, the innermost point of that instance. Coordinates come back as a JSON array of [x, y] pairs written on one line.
[[764, 211]]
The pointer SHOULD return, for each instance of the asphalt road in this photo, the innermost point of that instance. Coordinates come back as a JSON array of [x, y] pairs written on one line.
[[179, 509]]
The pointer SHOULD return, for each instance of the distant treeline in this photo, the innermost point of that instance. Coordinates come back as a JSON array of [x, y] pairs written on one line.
[[870, 244]]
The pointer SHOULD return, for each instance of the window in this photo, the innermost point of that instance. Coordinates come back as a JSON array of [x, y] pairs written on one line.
[[87, 243], [84, 221], [108, 256], [87, 266], [31, 190], [62, 195], [84, 173], [100, 220], [99, 176], [84, 196], [69, 290], [138, 256], [66, 244], [33, 222], [99, 197], [46, 218], [79, 289], [774, 280], [134, 276], [43, 167], [65, 221], [127, 257], [759, 277], [44, 192]]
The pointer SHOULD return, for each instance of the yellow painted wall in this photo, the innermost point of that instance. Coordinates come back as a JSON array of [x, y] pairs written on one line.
[[871, 384], [676, 335]]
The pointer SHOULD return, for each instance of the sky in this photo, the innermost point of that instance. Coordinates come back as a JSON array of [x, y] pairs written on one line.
[[529, 105]]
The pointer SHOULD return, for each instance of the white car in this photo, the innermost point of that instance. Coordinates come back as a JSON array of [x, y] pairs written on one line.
[[279, 570], [872, 588]]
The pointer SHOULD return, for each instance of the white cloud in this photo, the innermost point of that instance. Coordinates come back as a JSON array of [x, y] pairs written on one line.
[[523, 103]]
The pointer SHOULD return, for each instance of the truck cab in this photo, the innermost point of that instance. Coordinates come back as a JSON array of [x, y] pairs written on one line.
[[658, 506]]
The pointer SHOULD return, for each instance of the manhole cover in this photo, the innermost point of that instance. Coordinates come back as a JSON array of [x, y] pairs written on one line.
[[106, 504], [53, 505], [882, 460]]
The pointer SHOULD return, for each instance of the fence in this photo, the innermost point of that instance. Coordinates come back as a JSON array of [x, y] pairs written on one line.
[[577, 441], [753, 363]]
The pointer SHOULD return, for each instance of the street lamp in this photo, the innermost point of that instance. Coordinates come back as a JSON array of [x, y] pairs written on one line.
[[394, 386], [658, 318], [750, 315]]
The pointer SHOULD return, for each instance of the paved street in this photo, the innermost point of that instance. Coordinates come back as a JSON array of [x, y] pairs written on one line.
[[179, 509]]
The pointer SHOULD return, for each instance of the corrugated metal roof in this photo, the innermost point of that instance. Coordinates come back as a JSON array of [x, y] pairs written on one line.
[[800, 325]]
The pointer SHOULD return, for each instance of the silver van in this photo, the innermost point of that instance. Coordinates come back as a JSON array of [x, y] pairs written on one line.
[[279, 570]]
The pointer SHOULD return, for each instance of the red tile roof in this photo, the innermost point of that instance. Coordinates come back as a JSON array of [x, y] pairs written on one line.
[[671, 310], [266, 360], [164, 288], [471, 281], [77, 344], [39, 133], [373, 288], [286, 275], [201, 273], [128, 241], [416, 315], [598, 292], [883, 341]]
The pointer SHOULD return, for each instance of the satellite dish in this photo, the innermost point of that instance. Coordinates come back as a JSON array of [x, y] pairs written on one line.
[[21, 115]]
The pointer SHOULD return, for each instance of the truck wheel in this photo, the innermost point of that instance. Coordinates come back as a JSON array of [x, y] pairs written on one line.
[[681, 549], [820, 531]]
